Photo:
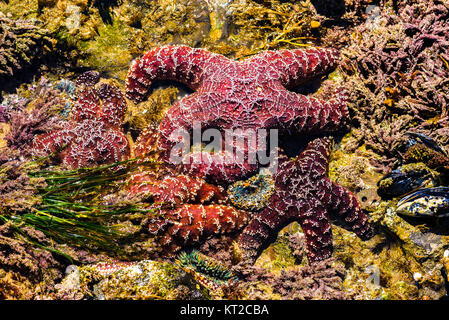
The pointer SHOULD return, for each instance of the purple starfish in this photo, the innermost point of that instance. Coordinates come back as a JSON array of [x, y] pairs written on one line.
[[304, 193]]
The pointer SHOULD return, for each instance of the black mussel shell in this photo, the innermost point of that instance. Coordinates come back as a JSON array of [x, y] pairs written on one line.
[[428, 202], [416, 137], [398, 183]]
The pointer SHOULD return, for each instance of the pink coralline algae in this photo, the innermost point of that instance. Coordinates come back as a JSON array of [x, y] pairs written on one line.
[[252, 94], [320, 281], [106, 268], [397, 66], [33, 115], [304, 193], [94, 135]]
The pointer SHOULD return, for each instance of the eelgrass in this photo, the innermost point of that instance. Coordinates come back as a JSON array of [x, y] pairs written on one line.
[[88, 181], [71, 210]]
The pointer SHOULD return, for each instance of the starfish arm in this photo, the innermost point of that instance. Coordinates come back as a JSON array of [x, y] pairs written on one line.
[[148, 142], [345, 205], [192, 223], [116, 147], [313, 162], [88, 78], [264, 227], [295, 67], [306, 114], [76, 157], [317, 231], [114, 106], [51, 142], [179, 121], [179, 63], [87, 106], [176, 130], [218, 167], [94, 144]]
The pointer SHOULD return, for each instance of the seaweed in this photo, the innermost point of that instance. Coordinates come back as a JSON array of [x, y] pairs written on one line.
[[23, 45], [397, 66], [104, 8], [72, 211]]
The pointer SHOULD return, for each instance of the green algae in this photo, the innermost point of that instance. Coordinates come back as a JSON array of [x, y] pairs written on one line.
[[236, 29], [143, 280], [109, 51], [354, 171], [153, 109], [270, 25], [283, 255], [68, 208], [20, 9], [394, 255], [279, 255]]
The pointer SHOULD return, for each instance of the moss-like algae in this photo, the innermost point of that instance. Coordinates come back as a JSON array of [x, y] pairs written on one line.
[[153, 109], [279, 255], [109, 51]]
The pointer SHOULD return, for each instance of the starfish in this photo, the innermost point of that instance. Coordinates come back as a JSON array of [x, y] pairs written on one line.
[[94, 136], [251, 94], [304, 193], [192, 210]]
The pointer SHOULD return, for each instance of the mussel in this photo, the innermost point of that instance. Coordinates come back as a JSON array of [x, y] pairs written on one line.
[[429, 202], [406, 179], [419, 138], [423, 149]]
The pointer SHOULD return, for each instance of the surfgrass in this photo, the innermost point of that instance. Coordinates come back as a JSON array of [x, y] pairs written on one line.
[[71, 210]]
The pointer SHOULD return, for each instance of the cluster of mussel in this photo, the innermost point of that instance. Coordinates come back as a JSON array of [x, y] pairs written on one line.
[[421, 181]]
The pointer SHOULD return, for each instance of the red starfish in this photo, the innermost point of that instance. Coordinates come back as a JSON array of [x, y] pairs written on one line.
[[304, 193], [252, 94], [192, 209], [94, 136]]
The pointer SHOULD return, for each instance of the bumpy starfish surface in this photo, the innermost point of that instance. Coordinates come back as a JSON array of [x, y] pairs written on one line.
[[192, 210], [304, 193], [94, 136], [252, 94]]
